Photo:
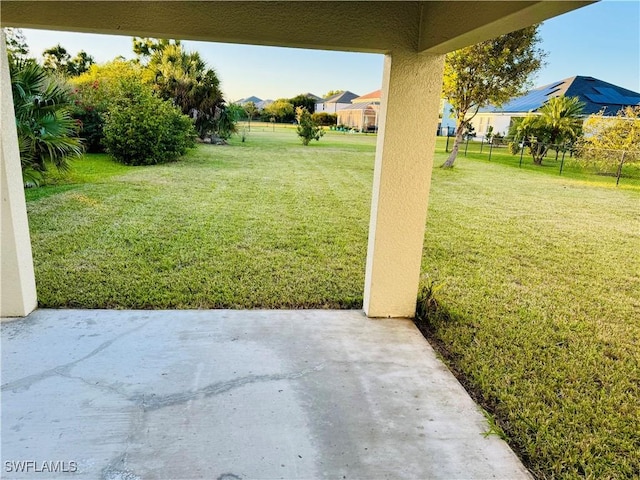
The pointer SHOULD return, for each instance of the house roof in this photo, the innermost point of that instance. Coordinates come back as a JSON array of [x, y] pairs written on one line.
[[358, 106], [312, 96], [342, 97], [252, 98], [369, 97], [595, 94]]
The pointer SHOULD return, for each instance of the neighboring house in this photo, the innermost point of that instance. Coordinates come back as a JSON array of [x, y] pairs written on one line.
[[252, 98], [259, 103], [362, 114], [597, 96], [335, 102], [447, 123]]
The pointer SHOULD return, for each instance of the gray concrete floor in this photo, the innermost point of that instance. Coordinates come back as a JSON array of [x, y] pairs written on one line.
[[125, 395]]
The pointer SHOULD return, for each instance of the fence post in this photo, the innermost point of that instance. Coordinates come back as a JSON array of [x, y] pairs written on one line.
[[521, 153], [620, 167], [490, 149]]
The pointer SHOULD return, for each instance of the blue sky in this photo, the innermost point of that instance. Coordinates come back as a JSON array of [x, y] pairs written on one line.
[[601, 40]]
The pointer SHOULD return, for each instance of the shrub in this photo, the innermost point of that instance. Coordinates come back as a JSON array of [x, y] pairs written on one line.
[[325, 119], [141, 129], [93, 93], [307, 129]]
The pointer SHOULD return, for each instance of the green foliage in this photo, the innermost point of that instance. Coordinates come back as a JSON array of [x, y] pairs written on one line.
[[94, 90], [47, 134], [307, 129], [325, 119], [227, 122], [142, 129], [145, 47], [16, 43], [58, 60], [250, 110], [303, 101], [282, 110], [557, 123], [490, 72], [607, 138], [183, 78], [331, 93]]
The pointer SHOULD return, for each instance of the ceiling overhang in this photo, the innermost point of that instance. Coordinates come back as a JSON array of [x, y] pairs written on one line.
[[370, 26]]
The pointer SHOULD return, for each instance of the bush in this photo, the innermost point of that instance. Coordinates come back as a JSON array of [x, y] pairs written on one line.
[[307, 129], [91, 124], [325, 119], [141, 129], [93, 93]]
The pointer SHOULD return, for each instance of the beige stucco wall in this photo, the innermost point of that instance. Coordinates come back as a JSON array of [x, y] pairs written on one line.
[[17, 283], [402, 177]]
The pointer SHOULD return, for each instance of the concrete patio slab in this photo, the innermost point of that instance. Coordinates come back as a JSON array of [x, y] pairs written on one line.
[[125, 395]]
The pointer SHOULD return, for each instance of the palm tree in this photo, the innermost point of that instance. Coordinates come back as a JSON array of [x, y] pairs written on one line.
[[47, 134], [183, 77], [561, 117], [558, 122]]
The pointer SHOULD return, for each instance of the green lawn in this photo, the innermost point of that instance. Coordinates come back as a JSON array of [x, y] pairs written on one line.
[[537, 275]]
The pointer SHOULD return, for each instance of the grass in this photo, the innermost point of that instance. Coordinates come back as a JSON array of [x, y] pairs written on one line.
[[262, 224], [538, 311], [571, 167], [535, 276]]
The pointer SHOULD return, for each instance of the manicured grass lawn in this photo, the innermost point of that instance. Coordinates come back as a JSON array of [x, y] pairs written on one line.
[[537, 275]]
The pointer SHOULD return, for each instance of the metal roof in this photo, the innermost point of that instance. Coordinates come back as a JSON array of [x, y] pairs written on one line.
[[595, 94]]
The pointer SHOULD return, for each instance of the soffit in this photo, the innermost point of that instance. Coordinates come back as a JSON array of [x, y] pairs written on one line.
[[375, 27]]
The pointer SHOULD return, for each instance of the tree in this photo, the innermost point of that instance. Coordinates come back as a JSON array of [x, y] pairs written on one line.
[[58, 60], [556, 123], [47, 134], [490, 72], [183, 77], [227, 121], [307, 129], [55, 58], [79, 64], [16, 43], [281, 109], [612, 139], [145, 47], [331, 93], [303, 101], [250, 109]]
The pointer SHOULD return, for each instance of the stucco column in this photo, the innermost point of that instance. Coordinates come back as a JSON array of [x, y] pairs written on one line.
[[18, 285], [411, 87]]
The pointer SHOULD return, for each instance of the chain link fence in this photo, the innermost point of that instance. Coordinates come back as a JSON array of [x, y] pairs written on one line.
[[514, 151]]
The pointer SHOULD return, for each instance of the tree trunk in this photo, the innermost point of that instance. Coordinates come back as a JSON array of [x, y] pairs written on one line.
[[456, 147]]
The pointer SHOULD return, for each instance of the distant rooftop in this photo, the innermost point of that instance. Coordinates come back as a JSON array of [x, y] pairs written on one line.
[[252, 98], [342, 97], [595, 94], [369, 97]]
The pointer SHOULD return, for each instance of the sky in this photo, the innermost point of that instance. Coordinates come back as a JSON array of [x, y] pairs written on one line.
[[601, 40]]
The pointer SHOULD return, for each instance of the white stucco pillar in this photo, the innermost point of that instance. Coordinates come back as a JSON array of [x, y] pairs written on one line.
[[408, 119], [18, 285]]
